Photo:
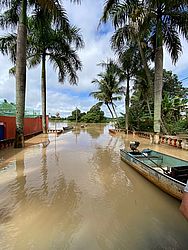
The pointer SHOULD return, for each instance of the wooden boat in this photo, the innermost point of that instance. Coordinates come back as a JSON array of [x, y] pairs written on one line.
[[83, 126], [55, 131], [112, 131], [68, 128], [59, 131], [167, 172], [115, 130]]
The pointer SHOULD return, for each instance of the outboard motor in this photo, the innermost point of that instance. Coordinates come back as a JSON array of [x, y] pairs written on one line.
[[134, 145]]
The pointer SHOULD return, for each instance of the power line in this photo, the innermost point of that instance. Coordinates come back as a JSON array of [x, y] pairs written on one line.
[[184, 79]]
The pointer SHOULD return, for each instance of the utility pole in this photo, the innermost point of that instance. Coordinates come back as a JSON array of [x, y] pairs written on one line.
[[76, 116]]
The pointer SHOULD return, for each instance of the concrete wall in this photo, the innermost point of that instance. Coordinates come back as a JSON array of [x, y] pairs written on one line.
[[31, 126]]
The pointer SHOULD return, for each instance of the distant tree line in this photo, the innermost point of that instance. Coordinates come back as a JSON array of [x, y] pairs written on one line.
[[94, 115]]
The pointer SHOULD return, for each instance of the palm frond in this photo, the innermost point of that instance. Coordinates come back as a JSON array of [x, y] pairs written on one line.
[[172, 42], [180, 21], [121, 36], [109, 5], [33, 61], [12, 71], [8, 46], [10, 17], [68, 65]]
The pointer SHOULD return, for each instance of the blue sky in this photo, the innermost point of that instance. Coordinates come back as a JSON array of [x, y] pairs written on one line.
[[65, 98]]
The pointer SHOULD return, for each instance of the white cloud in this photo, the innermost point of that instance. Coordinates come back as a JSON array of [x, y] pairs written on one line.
[[64, 98]]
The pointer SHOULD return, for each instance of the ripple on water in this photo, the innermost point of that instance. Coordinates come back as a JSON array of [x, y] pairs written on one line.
[[76, 193]]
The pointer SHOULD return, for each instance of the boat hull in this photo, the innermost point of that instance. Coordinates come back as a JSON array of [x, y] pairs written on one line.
[[166, 183]]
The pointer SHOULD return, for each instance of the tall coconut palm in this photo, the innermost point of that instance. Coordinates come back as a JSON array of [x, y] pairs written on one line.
[[163, 21], [112, 82], [167, 20], [47, 43], [126, 20], [127, 33], [52, 6], [101, 94], [109, 90], [145, 91], [128, 65]]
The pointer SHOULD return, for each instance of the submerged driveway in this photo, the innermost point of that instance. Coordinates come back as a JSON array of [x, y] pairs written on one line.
[[74, 192]]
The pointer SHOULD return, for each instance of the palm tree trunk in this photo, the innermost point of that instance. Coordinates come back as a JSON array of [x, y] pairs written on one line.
[[21, 76], [110, 110], [127, 105], [149, 109], [115, 114], [43, 93], [158, 91], [146, 68], [158, 81]]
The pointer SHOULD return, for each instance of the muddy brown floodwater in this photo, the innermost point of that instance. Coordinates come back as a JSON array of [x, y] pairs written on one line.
[[74, 192]]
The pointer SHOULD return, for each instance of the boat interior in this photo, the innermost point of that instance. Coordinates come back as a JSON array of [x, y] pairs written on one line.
[[171, 166]]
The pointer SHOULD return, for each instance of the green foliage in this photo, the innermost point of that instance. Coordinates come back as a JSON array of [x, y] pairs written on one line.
[[109, 86], [173, 103], [178, 126], [95, 114], [172, 86], [76, 115]]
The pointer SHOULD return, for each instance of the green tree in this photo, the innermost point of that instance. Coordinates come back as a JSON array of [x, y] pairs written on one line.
[[76, 115], [109, 87], [19, 9], [163, 21], [173, 103], [56, 45], [128, 65], [95, 114], [101, 94], [44, 41], [173, 86], [128, 31]]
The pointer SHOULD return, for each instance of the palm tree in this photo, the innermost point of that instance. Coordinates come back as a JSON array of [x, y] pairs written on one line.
[[163, 21], [109, 87], [127, 29], [112, 81], [128, 65], [20, 7], [145, 91], [101, 94], [45, 42], [167, 20]]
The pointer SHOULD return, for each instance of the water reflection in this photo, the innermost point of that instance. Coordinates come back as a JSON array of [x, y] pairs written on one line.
[[38, 205], [20, 181], [95, 131], [140, 220], [44, 172], [115, 185], [76, 193]]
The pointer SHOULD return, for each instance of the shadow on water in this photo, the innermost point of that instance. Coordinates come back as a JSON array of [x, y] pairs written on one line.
[[38, 204]]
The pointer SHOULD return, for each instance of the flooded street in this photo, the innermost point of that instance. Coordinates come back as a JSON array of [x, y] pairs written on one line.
[[76, 193]]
